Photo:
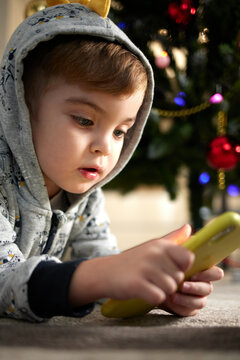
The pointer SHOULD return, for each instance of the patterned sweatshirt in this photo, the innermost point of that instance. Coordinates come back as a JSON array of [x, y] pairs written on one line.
[[35, 234]]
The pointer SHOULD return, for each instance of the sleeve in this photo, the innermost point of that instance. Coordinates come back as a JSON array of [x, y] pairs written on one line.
[[48, 290], [36, 288], [91, 236], [15, 272]]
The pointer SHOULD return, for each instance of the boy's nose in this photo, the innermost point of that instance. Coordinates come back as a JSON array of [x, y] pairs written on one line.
[[101, 145]]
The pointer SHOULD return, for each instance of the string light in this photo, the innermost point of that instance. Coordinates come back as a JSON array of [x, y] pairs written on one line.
[[216, 98], [179, 99], [163, 60], [122, 25], [204, 178], [193, 11], [203, 36], [237, 149], [233, 190]]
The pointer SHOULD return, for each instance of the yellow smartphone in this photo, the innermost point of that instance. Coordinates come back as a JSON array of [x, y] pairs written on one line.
[[214, 242]]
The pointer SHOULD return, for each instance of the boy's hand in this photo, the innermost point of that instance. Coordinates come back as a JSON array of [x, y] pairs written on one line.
[[192, 294], [151, 271]]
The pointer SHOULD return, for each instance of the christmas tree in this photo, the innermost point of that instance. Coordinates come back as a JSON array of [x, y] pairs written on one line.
[[194, 49]]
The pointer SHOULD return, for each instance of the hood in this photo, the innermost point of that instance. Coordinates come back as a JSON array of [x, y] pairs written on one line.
[[15, 129]]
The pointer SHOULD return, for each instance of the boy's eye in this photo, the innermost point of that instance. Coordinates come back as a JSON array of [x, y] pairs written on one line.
[[119, 133], [82, 121]]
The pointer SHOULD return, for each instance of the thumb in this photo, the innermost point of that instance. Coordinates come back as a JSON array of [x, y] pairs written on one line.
[[180, 235]]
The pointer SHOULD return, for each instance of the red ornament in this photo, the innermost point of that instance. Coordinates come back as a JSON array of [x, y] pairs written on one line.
[[181, 11], [223, 153]]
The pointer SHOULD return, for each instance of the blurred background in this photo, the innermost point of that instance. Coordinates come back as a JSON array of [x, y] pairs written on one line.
[[186, 168]]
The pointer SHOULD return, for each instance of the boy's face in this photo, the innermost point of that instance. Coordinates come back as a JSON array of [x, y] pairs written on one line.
[[78, 134]]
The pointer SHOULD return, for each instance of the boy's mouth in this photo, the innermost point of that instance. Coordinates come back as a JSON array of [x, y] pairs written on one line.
[[90, 169], [89, 173]]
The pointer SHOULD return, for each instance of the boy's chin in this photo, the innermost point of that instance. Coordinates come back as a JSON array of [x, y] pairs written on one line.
[[79, 190]]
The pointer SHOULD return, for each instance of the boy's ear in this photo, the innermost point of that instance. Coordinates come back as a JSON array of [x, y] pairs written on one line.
[[101, 7]]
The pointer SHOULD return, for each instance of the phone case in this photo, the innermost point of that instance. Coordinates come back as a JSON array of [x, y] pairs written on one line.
[[214, 242]]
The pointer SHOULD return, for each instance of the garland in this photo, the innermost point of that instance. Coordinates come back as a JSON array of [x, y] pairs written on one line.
[[184, 112]]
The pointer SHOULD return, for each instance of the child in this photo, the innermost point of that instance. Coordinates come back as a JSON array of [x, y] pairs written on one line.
[[75, 94]]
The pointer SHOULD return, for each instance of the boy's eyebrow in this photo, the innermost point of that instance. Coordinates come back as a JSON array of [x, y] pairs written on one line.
[[77, 100]]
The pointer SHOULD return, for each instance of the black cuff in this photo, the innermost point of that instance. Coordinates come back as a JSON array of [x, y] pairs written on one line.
[[48, 289]]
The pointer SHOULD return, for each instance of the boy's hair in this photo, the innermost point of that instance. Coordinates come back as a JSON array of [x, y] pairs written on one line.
[[85, 60]]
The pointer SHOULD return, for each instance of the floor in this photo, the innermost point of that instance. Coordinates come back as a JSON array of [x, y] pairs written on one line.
[[213, 334]]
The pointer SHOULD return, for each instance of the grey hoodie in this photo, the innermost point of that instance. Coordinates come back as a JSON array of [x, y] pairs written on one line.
[[32, 232]]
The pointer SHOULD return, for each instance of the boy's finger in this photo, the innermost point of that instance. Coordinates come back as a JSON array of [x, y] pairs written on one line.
[[196, 288], [213, 274], [179, 236], [181, 256], [188, 301]]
